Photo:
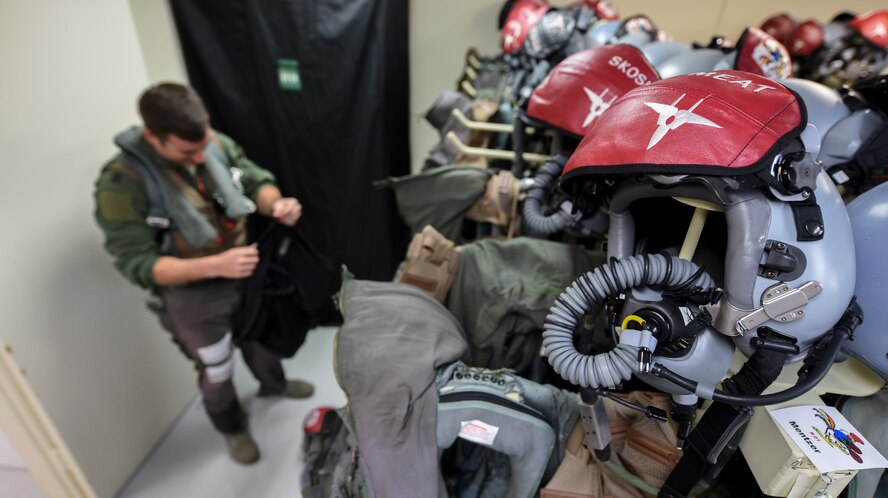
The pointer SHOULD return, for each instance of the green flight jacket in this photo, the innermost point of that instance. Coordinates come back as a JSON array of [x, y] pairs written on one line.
[[122, 205]]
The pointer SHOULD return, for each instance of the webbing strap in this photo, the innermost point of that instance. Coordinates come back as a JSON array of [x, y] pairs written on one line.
[[808, 219], [158, 215]]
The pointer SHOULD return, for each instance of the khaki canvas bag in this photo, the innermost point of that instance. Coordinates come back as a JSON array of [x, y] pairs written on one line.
[[499, 205], [432, 261], [644, 447]]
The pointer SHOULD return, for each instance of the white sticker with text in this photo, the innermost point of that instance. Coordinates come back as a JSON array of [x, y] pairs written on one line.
[[477, 431], [828, 439]]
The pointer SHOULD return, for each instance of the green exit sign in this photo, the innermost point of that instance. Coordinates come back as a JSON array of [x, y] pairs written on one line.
[[288, 75]]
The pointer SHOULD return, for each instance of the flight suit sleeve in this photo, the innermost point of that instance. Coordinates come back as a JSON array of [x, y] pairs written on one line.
[[254, 177], [121, 206]]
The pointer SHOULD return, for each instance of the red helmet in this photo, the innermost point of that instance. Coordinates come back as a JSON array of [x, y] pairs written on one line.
[[598, 76], [523, 15], [710, 123], [761, 53], [873, 26], [806, 39], [779, 26], [603, 9]]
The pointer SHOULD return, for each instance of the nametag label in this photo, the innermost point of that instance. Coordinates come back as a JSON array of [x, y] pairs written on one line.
[[477, 431]]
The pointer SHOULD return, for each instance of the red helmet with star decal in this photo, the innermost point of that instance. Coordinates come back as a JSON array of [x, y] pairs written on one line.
[[873, 26], [597, 76], [727, 122], [698, 145]]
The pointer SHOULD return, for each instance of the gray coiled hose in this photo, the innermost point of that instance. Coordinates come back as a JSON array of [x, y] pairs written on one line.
[[591, 289], [536, 196]]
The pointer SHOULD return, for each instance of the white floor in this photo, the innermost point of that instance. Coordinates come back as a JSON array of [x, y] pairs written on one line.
[[192, 459], [19, 483], [15, 479]]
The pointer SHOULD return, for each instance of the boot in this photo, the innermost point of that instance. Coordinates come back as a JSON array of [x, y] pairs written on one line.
[[242, 447], [294, 389]]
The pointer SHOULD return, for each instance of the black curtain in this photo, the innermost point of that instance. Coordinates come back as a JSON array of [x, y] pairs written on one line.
[[327, 142]]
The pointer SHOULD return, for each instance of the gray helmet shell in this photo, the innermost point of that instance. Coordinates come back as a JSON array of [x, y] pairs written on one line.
[[691, 61], [869, 216], [602, 33], [829, 261], [658, 52], [825, 106]]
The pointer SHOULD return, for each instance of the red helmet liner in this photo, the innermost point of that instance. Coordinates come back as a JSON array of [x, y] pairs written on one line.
[[761, 53], [779, 26], [711, 123], [585, 84], [524, 14], [604, 10], [873, 26], [806, 39]]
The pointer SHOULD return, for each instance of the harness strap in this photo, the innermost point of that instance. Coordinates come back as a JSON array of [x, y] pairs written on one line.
[[808, 219], [158, 217]]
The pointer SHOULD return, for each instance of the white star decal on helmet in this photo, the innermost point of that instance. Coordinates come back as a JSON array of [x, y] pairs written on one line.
[[597, 105], [678, 117], [511, 33]]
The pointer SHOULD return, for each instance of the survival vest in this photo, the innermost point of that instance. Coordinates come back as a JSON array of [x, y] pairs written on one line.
[[193, 223], [526, 424]]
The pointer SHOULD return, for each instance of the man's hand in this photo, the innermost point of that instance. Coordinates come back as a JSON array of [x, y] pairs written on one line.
[[286, 210], [237, 262]]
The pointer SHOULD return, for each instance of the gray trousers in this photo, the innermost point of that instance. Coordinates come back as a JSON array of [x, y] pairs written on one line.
[[199, 317]]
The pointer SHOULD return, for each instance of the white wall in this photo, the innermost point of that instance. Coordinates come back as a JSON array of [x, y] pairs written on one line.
[[440, 34], [441, 31], [158, 40], [102, 367]]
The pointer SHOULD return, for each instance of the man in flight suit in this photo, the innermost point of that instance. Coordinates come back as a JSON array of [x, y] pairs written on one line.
[[195, 259]]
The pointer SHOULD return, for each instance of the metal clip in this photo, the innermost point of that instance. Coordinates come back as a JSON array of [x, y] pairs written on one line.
[[645, 360], [782, 304], [236, 175], [595, 424], [725, 316], [158, 222]]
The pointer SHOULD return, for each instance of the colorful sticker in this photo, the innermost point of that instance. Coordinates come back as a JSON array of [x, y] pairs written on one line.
[[828, 439]]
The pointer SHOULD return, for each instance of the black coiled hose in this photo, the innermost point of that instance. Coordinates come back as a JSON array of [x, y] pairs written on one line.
[[532, 211]]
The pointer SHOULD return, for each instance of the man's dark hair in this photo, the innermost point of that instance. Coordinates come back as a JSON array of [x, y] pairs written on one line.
[[172, 108]]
